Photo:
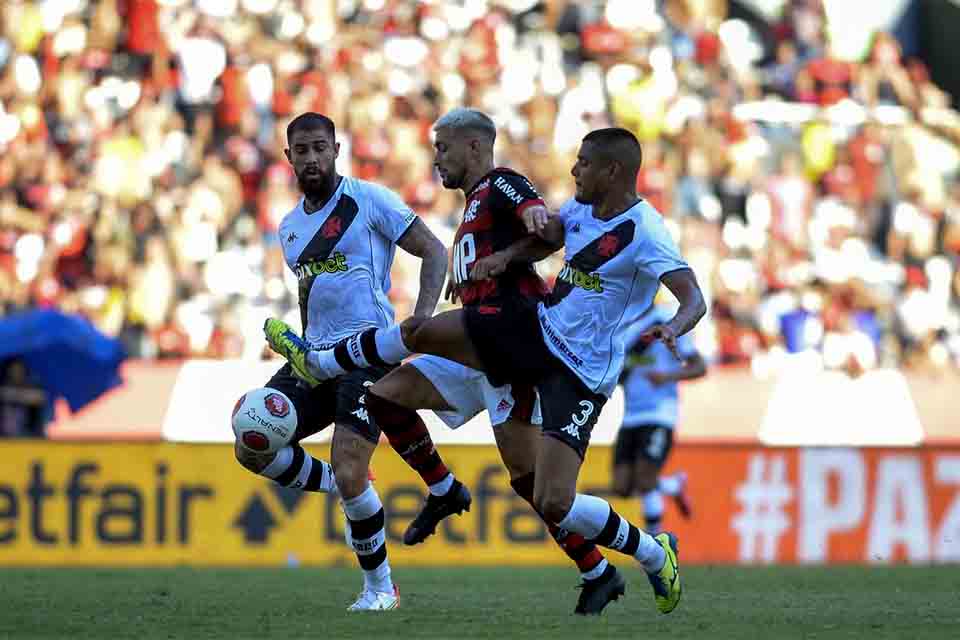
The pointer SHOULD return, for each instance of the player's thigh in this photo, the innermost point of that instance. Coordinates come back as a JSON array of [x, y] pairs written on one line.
[[315, 406], [445, 335], [570, 410], [518, 443], [624, 458], [355, 434], [412, 385]]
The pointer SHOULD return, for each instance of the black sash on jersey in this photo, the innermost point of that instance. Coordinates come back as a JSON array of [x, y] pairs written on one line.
[[593, 256], [321, 246]]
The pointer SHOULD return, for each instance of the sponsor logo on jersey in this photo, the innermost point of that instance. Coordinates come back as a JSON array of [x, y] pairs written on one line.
[[471, 213], [512, 194], [586, 281], [333, 264], [561, 346]]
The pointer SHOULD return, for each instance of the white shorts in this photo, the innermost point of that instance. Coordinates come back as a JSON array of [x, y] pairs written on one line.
[[469, 392]]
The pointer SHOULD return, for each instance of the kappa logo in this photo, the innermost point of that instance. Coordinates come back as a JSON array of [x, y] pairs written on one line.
[[290, 238], [572, 430], [277, 405], [332, 228], [576, 228]]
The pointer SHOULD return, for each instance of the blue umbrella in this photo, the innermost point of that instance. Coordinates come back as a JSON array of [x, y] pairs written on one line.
[[65, 354]]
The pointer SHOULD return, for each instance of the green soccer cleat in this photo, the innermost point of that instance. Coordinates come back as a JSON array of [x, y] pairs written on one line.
[[666, 582], [285, 341]]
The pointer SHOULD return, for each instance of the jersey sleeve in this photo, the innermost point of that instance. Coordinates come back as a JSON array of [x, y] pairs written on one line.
[[514, 193], [389, 214], [659, 253]]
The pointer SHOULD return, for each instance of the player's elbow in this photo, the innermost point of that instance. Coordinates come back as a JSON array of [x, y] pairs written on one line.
[[436, 252]]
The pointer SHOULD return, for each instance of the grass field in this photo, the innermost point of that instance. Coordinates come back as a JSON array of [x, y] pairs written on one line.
[[504, 603]]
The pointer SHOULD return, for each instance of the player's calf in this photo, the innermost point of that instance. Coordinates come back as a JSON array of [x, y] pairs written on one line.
[[290, 467]]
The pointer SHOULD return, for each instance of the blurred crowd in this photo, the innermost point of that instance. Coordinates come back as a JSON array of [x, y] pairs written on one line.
[[142, 175]]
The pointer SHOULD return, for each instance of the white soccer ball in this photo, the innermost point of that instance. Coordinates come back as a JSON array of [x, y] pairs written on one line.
[[264, 420]]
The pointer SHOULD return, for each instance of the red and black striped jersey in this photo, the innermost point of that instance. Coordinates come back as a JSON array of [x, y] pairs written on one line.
[[491, 223]]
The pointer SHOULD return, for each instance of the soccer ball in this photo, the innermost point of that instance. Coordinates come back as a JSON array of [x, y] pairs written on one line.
[[264, 420]]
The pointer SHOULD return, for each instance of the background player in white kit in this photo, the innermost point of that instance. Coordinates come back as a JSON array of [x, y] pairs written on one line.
[[340, 241], [651, 398]]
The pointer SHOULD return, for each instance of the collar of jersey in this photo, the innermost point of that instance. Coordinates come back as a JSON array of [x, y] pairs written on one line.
[[328, 205], [625, 211]]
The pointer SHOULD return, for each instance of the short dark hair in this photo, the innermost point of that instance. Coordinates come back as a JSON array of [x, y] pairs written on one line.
[[311, 121], [616, 143]]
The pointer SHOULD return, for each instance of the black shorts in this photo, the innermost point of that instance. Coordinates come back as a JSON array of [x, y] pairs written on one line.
[[650, 442], [509, 343], [339, 400]]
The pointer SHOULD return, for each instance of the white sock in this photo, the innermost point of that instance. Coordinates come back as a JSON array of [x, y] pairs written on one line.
[[322, 364], [596, 572], [672, 485], [441, 488], [650, 554], [360, 511], [390, 345], [587, 516], [653, 510]]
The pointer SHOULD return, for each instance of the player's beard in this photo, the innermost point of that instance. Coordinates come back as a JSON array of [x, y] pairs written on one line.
[[453, 180], [315, 186]]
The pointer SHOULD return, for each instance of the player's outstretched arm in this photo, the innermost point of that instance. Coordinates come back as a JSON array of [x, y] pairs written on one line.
[[420, 241], [548, 227], [530, 249]]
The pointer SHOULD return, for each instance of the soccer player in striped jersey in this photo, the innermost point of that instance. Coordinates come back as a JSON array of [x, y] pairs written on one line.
[[570, 346], [339, 241]]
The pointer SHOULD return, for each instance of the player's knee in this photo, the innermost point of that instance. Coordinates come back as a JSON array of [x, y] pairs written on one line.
[[408, 332], [553, 506], [255, 462]]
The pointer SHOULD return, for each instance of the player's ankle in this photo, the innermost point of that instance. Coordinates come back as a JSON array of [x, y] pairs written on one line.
[[442, 487]]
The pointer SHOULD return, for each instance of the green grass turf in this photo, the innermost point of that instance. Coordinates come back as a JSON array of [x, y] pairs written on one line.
[[500, 602]]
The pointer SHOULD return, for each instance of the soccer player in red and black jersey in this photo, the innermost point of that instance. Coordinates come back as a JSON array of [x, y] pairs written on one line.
[[487, 278]]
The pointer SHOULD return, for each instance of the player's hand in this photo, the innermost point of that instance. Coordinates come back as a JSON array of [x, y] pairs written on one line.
[[656, 378], [535, 219], [490, 266], [665, 334], [451, 294]]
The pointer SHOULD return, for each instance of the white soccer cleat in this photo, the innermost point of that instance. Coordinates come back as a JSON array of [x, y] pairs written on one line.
[[376, 601]]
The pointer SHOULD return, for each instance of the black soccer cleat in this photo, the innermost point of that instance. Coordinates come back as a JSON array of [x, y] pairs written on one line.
[[435, 509], [598, 593]]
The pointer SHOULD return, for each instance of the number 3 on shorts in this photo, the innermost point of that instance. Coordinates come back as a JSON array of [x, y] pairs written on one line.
[[579, 420]]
